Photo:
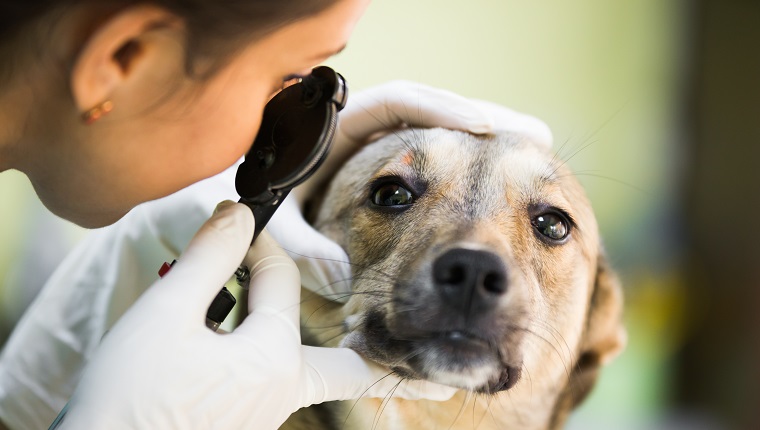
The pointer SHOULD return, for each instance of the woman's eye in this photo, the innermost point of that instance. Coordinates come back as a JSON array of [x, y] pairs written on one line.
[[551, 225], [391, 195]]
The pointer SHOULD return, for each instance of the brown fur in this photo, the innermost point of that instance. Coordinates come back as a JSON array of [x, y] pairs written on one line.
[[533, 343]]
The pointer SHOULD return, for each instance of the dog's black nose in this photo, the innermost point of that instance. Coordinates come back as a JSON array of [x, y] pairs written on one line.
[[470, 280]]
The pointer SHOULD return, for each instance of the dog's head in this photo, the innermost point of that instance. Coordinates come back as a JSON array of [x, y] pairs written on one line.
[[475, 260]]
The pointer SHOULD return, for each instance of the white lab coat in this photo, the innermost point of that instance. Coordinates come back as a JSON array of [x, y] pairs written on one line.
[[107, 271]]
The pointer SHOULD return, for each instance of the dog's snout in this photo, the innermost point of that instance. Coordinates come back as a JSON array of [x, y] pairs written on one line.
[[469, 278]]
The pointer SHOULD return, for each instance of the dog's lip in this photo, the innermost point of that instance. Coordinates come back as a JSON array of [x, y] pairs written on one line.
[[509, 376], [462, 346], [462, 336], [456, 342]]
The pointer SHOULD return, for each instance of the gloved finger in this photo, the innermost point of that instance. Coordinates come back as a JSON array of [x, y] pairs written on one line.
[[390, 105], [323, 264], [342, 374], [508, 120], [211, 257], [275, 285]]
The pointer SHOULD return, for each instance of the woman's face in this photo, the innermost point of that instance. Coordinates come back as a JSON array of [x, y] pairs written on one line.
[[156, 142]]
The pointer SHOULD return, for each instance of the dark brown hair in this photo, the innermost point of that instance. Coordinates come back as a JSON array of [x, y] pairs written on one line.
[[216, 29]]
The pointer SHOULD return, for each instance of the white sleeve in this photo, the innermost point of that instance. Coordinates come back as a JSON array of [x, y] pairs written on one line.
[[41, 362]]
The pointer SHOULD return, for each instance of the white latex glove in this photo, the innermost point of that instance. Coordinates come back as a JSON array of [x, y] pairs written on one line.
[[160, 367], [324, 265]]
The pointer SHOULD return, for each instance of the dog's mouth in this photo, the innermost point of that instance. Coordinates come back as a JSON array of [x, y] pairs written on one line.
[[459, 346], [455, 357], [463, 359]]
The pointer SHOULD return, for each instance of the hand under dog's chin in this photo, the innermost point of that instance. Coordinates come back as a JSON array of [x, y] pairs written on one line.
[[447, 359]]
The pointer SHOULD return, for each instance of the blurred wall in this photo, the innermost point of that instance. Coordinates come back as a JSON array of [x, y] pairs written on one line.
[[604, 75], [32, 243], [718, 369]]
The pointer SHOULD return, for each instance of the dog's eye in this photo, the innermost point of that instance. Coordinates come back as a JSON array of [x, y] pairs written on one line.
[[551, 225], [391, 194]]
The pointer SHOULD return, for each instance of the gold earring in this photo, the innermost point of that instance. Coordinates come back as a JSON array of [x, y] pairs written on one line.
[[98, 111]]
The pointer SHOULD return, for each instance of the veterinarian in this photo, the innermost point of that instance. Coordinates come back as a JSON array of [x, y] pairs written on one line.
[[107, 105]]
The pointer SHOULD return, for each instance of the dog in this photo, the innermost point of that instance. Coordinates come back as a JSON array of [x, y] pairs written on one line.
[[476, 263]]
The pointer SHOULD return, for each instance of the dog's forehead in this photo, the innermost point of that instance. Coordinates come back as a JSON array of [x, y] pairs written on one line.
[[458, 156]]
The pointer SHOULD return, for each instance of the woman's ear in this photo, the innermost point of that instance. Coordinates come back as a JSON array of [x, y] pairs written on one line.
[[114, 52]]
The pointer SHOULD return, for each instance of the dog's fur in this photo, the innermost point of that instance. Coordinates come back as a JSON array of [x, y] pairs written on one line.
[[459, 286]]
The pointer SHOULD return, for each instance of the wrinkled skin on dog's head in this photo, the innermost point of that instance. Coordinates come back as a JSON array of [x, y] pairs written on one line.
[[476, 263]]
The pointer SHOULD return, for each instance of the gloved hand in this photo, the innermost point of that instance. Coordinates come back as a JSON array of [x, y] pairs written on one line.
[[160, 367], [323, 264]]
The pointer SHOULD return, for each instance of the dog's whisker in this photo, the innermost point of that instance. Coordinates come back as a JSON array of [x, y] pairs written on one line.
[[586, 138], [605, 122], [517, 411], [337, 261], [566, 153], [305, 323], [474, 413], [561, 341], [406, 110], [384, 403], [325, 337], [405, 358], [393, 129], [490, 411], [344, 295], [485, 400], [557, 335], [328, 341], [576, 152], [324, 327], [322, 292], [377, 102], [460, 412], [525, 369], [556, 160], [356, 402], [554, 347], [617, 181]]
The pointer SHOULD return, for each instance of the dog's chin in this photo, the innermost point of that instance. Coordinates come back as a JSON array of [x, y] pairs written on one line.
[[461, 360], [454, 358]]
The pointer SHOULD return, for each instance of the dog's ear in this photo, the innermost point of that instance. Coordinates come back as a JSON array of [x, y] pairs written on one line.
[[603, 339]]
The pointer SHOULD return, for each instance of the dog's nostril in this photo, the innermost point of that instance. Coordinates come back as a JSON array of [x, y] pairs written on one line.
[[451, 275], [494, 283]]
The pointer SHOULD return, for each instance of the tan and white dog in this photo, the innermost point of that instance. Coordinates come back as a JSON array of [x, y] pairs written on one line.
[[476, 263]]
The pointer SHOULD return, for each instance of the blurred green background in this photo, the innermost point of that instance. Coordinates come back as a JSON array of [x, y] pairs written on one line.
[[618, 82]]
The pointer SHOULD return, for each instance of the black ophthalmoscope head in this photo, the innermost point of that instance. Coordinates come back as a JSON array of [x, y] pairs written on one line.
[[296, 133]]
